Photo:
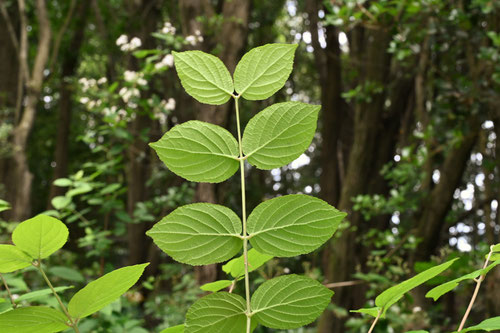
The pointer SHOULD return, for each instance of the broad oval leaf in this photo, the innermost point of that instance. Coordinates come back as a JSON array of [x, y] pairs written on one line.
[[289, 301], [442, 289], [279, 134], [199, 234], [12, 259], [204, 76], [264, 70], [174, 329], [291, 225], [393, 294], [40, 236], [236, 266], [104, 291], [488, 325], [39, 319], [218, 312], [216, 285], [199, 152]]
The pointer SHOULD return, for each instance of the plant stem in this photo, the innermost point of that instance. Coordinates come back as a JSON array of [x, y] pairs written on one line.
[[479, 280], [375, 321], [244, 216], [14, 305], [73, 323]]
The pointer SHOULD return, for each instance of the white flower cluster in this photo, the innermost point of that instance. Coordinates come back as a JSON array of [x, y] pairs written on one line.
[[86, 84], [89, 103], [195, 39], [168, 28], [116, 114], [126, 45], [163, 109], [127, 93], [167, 61], [135, 77]]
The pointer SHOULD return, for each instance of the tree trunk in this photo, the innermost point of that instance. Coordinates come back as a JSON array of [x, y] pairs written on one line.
[[69, 66]]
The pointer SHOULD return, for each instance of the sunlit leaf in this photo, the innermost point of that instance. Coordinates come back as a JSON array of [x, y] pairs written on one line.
[[12, 258], [236, 266], [216, 285], [32, 319]]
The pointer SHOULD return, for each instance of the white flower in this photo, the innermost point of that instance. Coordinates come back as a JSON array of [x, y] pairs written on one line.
[[142, 82], [130, 76], [191, 39], [168, 28], [168, 60], [123, 39], [84, 100], [159, 65], [135, 43], [170, 104], [102, 80]]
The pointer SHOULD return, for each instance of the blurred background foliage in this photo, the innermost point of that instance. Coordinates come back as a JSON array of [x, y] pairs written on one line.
[[408, 144]]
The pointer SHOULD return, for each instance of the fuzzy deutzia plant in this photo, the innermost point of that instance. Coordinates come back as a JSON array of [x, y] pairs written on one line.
[[286, 226]]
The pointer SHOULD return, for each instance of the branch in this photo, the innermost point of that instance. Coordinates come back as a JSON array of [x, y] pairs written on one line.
[[10, 27], [64, 27]]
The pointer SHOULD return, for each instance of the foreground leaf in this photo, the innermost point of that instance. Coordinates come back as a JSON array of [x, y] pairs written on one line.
[[264, 70], [33, 319], [236, 267], [279, 134], [369, 311], [40, 236], [393, 294], [199, 234], [199, 152], [204, 77], [289, 301], [442, 289], [488, 325], [174, 329], [216, 285], [292, 225], [104, 291], [12, 259], [216, 313]]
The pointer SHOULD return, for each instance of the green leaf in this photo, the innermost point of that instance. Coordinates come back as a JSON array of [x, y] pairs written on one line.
[[40, 236], [393, 294], [204, 77], [369, 311], [174, 329], [264, 70], [60, 202], [104, 291], [291, 225], [4, 205], [279, 134], [486, 325], [67, 273], [216, 286], [496, 248], [216, 313], [32, 319], [419, 331], [12, 259], [199, 234], [63, 182], [236, 266], [199, 152], [40, 293], [444, 288], [289, 301]]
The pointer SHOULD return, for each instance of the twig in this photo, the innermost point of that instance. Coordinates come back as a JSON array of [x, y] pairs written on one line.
[[10, 27], [60, 34], [14, 304], [375, 321], [344, 284], [478, 280]]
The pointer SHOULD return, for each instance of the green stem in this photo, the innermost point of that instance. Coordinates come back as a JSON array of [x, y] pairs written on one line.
[[14, 305], [73, 323], [476, 291], [244, 217]]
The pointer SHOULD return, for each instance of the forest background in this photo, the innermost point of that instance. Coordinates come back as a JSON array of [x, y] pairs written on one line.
[[408, 143]]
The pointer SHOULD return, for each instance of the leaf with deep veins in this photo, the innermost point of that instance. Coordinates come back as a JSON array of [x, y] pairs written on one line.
[[279, 134], [292, 225], [199, 152], [199, 234]]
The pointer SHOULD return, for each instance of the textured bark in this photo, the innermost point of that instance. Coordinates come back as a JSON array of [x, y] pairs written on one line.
[[69, 66], [232, 39], [20, 177]]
